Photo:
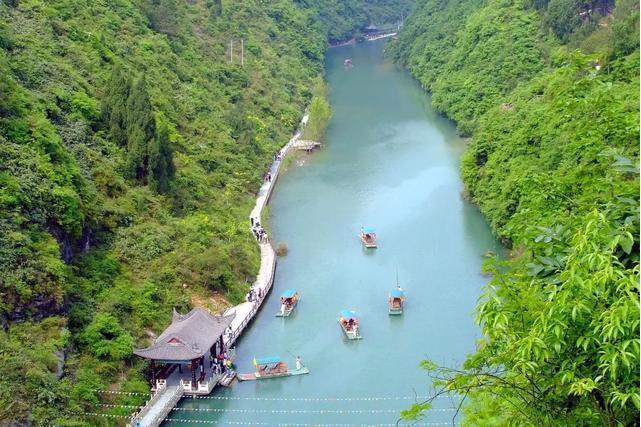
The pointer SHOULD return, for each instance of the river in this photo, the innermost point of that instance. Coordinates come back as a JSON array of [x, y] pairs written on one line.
[[390, 162]]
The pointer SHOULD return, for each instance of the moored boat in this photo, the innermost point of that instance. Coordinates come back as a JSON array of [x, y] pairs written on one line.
[[368, 237], [288, 301], [271, 367], [396, 300], [349, 324]]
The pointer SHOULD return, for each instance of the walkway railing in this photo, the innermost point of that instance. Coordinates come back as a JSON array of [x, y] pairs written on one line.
[[267, 251], [138, 419], [256, 305], [176, 395]]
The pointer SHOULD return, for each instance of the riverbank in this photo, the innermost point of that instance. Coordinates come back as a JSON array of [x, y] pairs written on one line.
[[246, 311]]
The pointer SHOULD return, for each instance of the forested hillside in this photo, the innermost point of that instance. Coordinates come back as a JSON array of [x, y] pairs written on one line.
[[132, 140], [549, 92]]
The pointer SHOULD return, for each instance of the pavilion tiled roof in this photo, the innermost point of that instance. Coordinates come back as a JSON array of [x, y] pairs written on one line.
[[189, 336]]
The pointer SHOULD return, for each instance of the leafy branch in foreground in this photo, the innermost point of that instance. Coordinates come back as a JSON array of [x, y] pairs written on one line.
[[557, 352]]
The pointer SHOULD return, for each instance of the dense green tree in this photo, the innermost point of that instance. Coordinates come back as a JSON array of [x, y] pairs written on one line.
[[561, 344], [319, 114], [141, 130], [469, 54], [626, 27], [563, 18], [106, 338], [163, 15], [216, 7], [161, 161], [114, 105]]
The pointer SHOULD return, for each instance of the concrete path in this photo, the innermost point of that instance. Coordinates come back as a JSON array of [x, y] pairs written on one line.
[[154, 413], [246, 311]]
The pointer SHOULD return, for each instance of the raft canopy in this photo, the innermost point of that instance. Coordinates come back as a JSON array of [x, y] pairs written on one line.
[[348, 314], [288, 293], [266, 360], [369, 230], [396, 293]]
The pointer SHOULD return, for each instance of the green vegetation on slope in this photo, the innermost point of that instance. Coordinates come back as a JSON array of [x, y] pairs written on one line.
[[470, 54], [550, 94], [319, 113]]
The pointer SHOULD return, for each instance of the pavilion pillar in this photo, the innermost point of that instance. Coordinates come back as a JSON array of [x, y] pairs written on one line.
[[153, 373], [193, 372]]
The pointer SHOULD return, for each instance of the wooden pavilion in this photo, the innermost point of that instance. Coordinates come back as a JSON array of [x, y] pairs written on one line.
[[187, 341]]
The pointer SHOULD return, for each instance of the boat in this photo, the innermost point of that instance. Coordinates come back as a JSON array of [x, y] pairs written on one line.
[[396, 300], [349, 324], [288, 301], [368, 237], [271, 367]]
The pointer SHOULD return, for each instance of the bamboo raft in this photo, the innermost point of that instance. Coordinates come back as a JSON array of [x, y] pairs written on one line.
[[271, 367]]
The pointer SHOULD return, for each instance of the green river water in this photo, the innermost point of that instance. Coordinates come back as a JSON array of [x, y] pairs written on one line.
[[391, 162]]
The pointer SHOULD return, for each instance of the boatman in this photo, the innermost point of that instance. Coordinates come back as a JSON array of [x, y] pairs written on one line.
[[282, 308], [298, 363]]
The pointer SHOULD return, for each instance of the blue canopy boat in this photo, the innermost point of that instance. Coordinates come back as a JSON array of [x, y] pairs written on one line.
[[396, 300], [368, 237], [349, 323], [271, 367], [288, 301]]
